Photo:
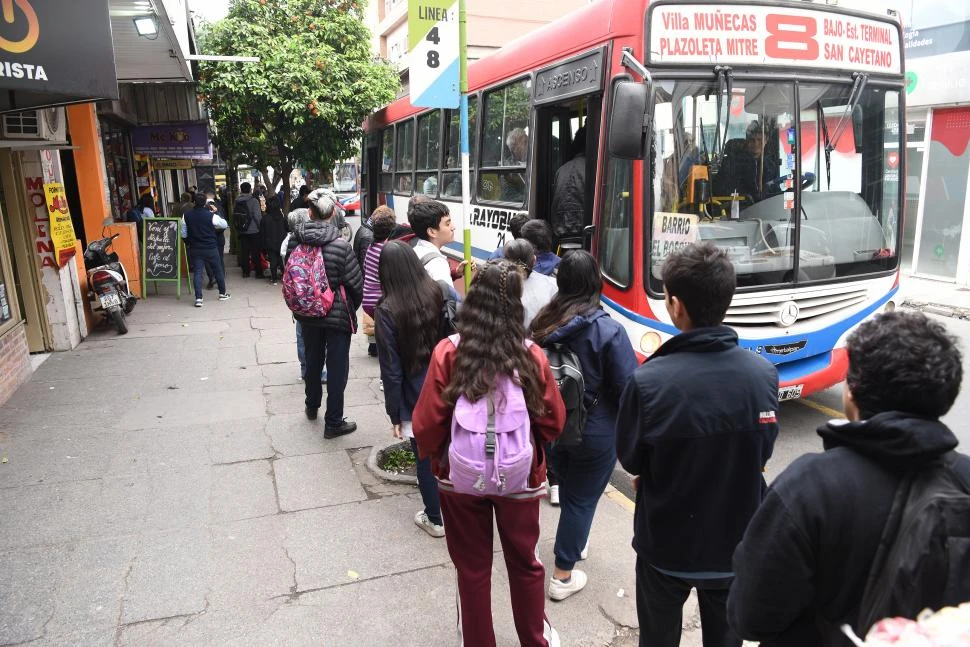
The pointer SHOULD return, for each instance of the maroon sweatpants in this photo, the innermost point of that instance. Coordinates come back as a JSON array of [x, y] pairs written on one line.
[[468, 524]]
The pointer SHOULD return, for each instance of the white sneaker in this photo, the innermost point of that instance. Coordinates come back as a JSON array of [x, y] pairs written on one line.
[[421, 521], [559, 590], [550, 634], [198, 303], [583, 555], [554, 495]]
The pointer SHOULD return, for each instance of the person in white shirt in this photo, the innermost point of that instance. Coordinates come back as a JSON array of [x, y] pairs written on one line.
[[431, 224], [538, 289]]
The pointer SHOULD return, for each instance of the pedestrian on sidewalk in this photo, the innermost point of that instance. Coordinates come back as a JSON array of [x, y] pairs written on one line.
[[293, 219], [327, 338], [490, 356], [213, 206], [248, 219], [409, 324], [368, 243], [575, 321], [274, 231], [802, 568], [696, 425], [537, 289], [198, 228]]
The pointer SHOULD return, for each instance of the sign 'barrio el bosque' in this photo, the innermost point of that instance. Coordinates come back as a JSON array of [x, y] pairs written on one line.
[[55, 52], [762, 35]]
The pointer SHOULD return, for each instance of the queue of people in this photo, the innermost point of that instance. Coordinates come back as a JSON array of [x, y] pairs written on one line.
[[477, 398]]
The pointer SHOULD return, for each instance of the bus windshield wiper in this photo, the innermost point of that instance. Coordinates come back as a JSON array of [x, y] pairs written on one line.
[[858, 86], [725, 86]]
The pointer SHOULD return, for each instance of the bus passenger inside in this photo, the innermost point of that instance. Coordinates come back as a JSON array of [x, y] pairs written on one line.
[[569, 195], [512, 185], [745, 168]]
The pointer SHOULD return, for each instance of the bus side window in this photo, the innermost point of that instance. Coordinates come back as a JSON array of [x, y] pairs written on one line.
[[451, 176], [404, 157], [429, 146], [615, 238], [506, 143], [387, 159]]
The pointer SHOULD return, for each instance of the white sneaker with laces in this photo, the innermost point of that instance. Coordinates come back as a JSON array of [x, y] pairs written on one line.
[[559, 590], [225, 296], [421, 521], [554, 495]]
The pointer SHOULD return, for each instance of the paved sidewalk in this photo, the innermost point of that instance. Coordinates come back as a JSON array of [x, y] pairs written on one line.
[[165, 488], [937, 297]]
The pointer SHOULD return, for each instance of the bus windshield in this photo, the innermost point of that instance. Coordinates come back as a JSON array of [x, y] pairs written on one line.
[[797, 182]]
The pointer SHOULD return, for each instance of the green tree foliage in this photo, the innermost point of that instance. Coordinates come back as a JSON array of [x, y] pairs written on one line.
[[306, 99]]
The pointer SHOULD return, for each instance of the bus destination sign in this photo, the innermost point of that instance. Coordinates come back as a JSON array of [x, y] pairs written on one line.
[[582, 75], [762, 35]]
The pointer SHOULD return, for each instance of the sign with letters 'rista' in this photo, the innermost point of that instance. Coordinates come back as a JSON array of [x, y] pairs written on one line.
[[433, 53], [55, 52]]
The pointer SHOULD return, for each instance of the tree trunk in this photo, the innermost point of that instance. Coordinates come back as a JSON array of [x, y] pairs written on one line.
[[286, 169]]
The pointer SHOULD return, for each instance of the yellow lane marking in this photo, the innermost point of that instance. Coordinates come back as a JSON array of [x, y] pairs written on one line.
[[618, 497], [829, 411]]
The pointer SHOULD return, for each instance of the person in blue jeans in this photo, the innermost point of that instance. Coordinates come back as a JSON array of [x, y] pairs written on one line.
[[408, 323], [198, 228], [574, 319], [293, 220]]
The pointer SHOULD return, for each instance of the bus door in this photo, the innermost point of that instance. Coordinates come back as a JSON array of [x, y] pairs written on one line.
[[370, 175], [568, 101]]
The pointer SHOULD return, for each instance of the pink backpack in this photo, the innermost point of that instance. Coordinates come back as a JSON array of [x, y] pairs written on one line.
[[306, 289], [491, 442]]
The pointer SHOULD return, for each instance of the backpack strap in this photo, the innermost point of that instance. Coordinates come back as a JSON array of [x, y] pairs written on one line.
[[430, 256], [490, 429]]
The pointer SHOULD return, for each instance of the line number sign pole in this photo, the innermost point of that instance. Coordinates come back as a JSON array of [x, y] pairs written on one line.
[[438, 71]]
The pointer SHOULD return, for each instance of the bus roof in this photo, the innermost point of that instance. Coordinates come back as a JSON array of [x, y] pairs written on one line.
[[582, 28]]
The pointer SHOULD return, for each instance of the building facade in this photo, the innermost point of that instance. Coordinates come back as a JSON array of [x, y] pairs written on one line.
[[937, 41]]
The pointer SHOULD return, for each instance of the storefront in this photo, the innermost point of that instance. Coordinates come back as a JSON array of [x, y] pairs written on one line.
[[119, 166], [937, 139], [174, 148], [41, 286]]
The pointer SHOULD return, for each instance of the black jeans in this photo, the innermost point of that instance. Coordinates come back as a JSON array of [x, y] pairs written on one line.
[[202, 259], [334, 347], [220, 249], [660, 608], [275, 263], [251, 244]]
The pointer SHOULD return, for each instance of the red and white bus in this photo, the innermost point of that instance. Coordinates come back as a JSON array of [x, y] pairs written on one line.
[[769, 129]]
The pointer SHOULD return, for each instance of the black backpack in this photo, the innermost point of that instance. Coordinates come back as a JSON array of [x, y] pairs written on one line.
[[449, 310], [568, 372], [241, 216], [923, 558]]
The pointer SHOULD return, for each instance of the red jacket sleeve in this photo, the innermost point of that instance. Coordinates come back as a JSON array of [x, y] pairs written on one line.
[[548, 426], [431, 418]]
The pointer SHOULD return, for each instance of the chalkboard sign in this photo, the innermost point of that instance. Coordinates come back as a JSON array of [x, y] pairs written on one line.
[[161, 251]]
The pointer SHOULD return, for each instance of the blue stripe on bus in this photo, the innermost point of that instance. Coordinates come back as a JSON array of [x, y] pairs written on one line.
[[819, 342]]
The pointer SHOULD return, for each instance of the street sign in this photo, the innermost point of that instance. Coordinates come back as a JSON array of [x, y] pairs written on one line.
[[433, 46]]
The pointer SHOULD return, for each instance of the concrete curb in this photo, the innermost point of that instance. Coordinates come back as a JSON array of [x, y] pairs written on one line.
[[383, 474], [937, 308]]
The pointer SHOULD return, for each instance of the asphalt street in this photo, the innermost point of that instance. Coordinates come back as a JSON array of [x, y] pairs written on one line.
[[800, 418]]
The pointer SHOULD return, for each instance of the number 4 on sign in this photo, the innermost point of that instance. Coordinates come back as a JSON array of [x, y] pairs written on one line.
[[433, 36]]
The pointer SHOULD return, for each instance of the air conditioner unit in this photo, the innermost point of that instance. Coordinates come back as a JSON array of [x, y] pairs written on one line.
[[45, 124]]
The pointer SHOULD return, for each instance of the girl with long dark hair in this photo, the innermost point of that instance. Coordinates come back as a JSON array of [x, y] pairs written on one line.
[[573, 319], [274, 231], [408, 324], [490, 349]]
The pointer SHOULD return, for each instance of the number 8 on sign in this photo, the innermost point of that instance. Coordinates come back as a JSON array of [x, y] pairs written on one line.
[[433, 53], [791, 37]]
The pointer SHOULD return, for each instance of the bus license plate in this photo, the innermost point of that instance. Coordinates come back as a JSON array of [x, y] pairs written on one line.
[[109, 299], [790, 392]]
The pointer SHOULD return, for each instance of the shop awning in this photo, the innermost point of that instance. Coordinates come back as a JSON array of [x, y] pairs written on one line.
[[52, 55]]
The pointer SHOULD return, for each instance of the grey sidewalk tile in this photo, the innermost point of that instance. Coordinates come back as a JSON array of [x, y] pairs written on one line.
[[238, 440], [143, 450], [68, 593], [178, 498], [316, 480], [294, 435], [273, 323], [275, 353], [282, 374], [279, 336], [168, 576], [219, 406], [359, 393], [373, 539], [237, 626], [59, 455], [242, 491], [289, 398], [248, 563], [364, 368]]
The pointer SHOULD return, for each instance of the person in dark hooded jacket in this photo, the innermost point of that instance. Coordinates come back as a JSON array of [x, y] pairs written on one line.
[[569, 196], [802, 567], [696, 426], [328, 338], [274, 231], [574, 319]]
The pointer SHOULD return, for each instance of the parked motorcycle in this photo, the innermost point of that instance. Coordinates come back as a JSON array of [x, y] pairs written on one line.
[[108, 283]]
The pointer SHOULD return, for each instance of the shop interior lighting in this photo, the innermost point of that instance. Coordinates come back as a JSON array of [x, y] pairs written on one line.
[[147, 26]]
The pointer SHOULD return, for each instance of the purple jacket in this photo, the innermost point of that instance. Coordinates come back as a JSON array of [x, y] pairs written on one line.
[[372, 284]]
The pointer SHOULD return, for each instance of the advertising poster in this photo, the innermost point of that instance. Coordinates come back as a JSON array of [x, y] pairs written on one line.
[[61, 228]]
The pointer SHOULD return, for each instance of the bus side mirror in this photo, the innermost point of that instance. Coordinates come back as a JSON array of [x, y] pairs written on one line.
[[858, 125], [630, 120]]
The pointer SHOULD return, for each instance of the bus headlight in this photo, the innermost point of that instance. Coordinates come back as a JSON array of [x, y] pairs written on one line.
[[890, 306], [649, 343]]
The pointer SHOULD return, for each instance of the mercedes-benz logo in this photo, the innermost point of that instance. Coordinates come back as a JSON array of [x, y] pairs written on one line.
[[788, 314]]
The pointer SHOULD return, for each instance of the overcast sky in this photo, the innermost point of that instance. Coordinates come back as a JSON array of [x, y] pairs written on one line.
[[211, 10]]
